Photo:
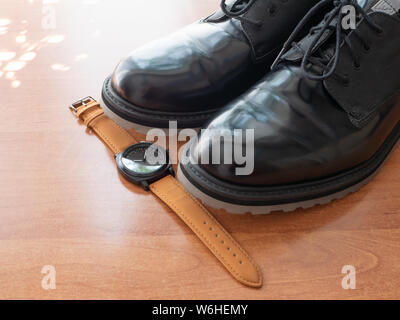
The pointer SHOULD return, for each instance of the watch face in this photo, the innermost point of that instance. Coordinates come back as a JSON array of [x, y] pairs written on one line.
[[144, 159]]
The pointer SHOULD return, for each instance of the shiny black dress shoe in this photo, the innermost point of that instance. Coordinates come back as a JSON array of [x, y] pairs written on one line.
[[324, 120], [188, 76]]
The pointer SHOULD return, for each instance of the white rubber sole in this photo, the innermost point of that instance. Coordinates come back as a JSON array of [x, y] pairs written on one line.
[[256, 210], [243, 209], [131, 125]]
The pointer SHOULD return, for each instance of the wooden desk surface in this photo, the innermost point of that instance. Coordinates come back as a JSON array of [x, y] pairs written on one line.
[[63, 204]]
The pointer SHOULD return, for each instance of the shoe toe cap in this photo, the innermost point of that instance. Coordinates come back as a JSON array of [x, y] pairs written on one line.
[[153, 77], [194, 69], [275, 144]]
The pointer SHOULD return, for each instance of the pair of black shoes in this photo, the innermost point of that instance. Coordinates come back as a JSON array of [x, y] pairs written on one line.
[[325, 119]]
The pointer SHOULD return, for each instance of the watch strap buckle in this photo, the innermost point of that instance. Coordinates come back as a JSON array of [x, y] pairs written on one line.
[[80, 103], [87, 110]]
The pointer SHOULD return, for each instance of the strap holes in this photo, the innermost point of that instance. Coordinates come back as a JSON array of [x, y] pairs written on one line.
[[204, 222], [228, 248], [210, 229], [234, 255], [216, 235], [241, 262], [222, 241]]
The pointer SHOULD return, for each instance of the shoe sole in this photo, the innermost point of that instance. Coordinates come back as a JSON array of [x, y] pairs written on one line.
[[221, 195], [135, 115], [134, 126]]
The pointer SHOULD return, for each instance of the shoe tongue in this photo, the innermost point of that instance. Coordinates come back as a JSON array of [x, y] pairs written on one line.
[[324, 43], [367, 4], [390, 7], [327, 41]]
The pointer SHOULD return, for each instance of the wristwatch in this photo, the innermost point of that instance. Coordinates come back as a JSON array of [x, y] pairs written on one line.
[[149, 165]]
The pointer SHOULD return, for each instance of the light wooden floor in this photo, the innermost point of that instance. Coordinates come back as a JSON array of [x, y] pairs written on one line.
[[63, 204]]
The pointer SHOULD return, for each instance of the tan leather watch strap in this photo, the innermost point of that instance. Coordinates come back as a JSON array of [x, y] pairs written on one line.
[[170, 191], [209, 230], [115, 137]]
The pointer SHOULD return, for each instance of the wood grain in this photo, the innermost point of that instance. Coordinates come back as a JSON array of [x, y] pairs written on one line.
[[62, 202]]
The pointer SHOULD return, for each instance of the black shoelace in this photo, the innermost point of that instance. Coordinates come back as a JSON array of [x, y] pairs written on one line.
[[332, 21], [240, 7]]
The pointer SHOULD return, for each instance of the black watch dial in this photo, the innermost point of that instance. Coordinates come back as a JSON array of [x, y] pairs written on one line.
[[137, 160], [144, 163]]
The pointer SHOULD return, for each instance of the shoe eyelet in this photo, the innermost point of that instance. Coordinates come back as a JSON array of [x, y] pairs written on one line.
[[272, 11], [356, 67], [366, 49]]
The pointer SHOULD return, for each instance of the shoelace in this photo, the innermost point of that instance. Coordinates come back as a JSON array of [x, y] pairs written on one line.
[[240, 7], [324, 60]]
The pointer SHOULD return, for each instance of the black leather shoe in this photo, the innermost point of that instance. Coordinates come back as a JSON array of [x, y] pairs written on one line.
[[191, 74], [325, 120]]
